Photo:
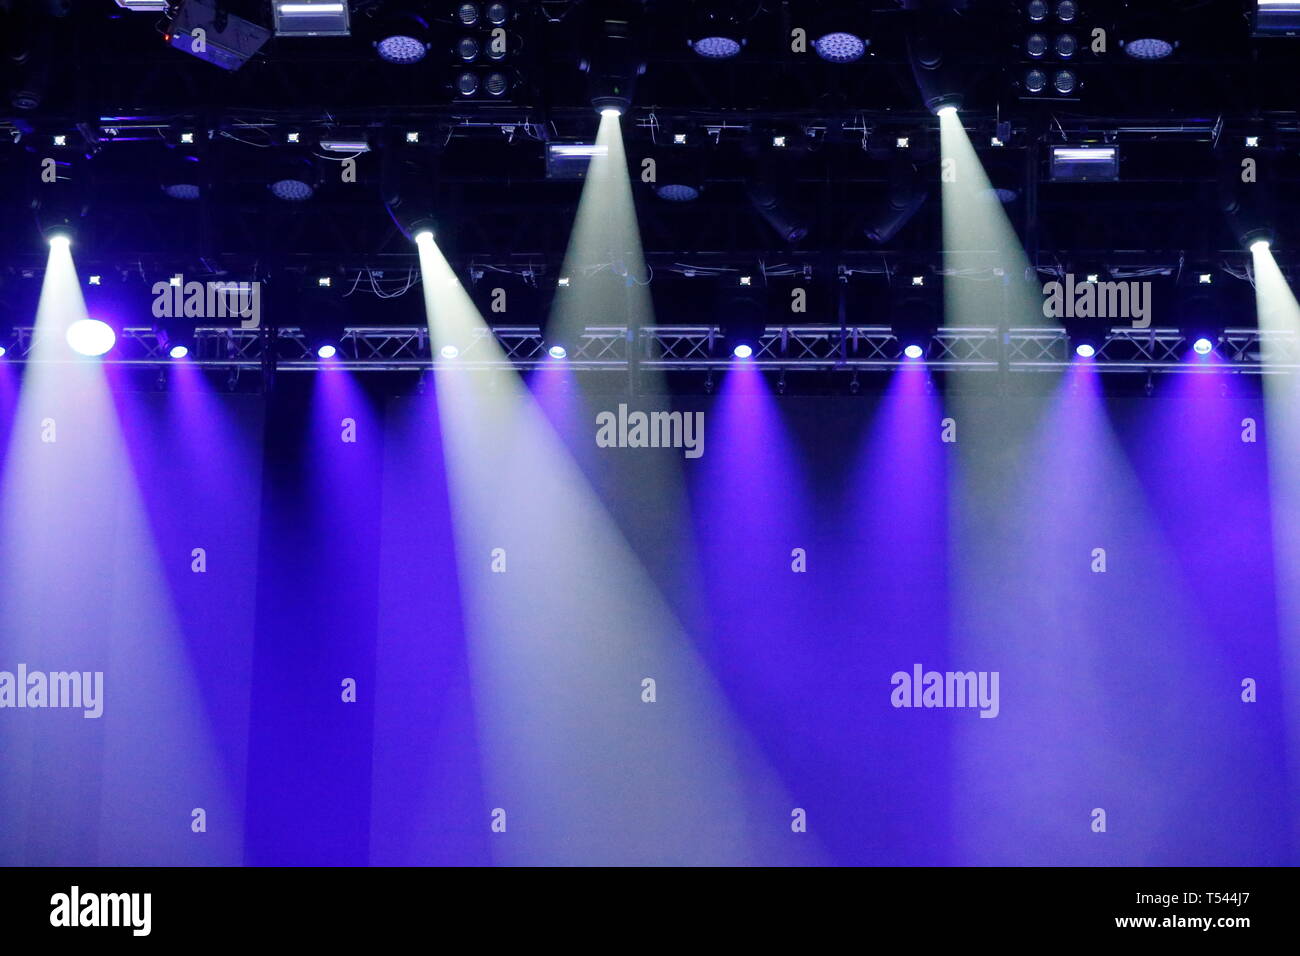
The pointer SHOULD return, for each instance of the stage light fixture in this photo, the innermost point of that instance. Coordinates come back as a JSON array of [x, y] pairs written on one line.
[[1035, 81], [905, 196], [467, 49], [1064, 82], [1066, 45], [497, 84], [715, 31], [1276, 18], [228, 41], [467, 83], [1148, 48], [616, 59], [1036, 10], [178, 351], [1205, 278], [91, 337], [840, 46], [1085, 350], [1066, 10], [95, 280], [402, 39], [293, 179], [468, 14], [1036, 45], [1084, 163], [557, 351], [449, 351], [310, 18]]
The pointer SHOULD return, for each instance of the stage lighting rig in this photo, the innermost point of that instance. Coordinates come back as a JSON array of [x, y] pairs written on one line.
[[717, 30], [1050, 44], [311, 18], [906, 194], [915, 309], [616, 59], [838, 32], [222, 38], [742, 316]]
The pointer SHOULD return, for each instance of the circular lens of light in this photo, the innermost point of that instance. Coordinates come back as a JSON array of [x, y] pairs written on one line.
[[1036, 45], [1259, 245], [497, 13], [1066, 44], [91, 337], [1085, 350], [742, 351], [1035, 81], [468, 13], [186, 191], [1203, 346], [557, 351], [291, 190], [840, 47], [716, 48], [914, 351], [2, 351], [467, 48], [1148, 48], [1066, 10], [400, 48], [178, 351], [449, 351], [677, 192], [1037, 9], [467, 84], [60, 240], [1063, 81], [497, 84], [327, 351]]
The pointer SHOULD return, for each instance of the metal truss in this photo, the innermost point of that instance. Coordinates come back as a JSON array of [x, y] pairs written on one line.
[[702, 347]]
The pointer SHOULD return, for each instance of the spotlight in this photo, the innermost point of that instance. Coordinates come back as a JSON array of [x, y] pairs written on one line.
[[467, 83], [1148, 48], [449, 351], [91, 337], [60, 240], [1036, 10], [839, 46], [294, 179], [402, 47], [497, 13], [467, 48], [310, 18], [1036, 45], [1205, 278], [467, 13], [179, 351], [497, 84], [1203, 346], [742, 351], [1066, 45], [180, 177], [1064, 81], [1066, 10], [905, 198], [1035, 81], [60, 140], [1259, 245], [946, 109], [933, 54], [778, 142], [3, 351], [423, 235], [611, 111], [557, 351], [95, 280], [715, 32], [327, 350], [413, 136], [913, 351], [903, 142], [1252, 142], [324, 282], [745, 312], [616, 59], [1085, 350]]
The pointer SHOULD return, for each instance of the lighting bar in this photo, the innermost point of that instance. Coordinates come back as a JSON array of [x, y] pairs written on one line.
[[144, 6], [1277, 18], [311, 18], [1085, 163], [570, 160], [345, 144]]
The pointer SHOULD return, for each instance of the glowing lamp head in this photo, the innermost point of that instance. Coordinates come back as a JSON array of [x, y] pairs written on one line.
[[60, 240], [1085, 350], [91, 337], [613, 111], [945, 111], [2, 351], [1202, 346], [449, 351], [179, 351], [914, 351], [557, 352], [327, 351], [423, 236], [742, 351], [1259, 245]]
